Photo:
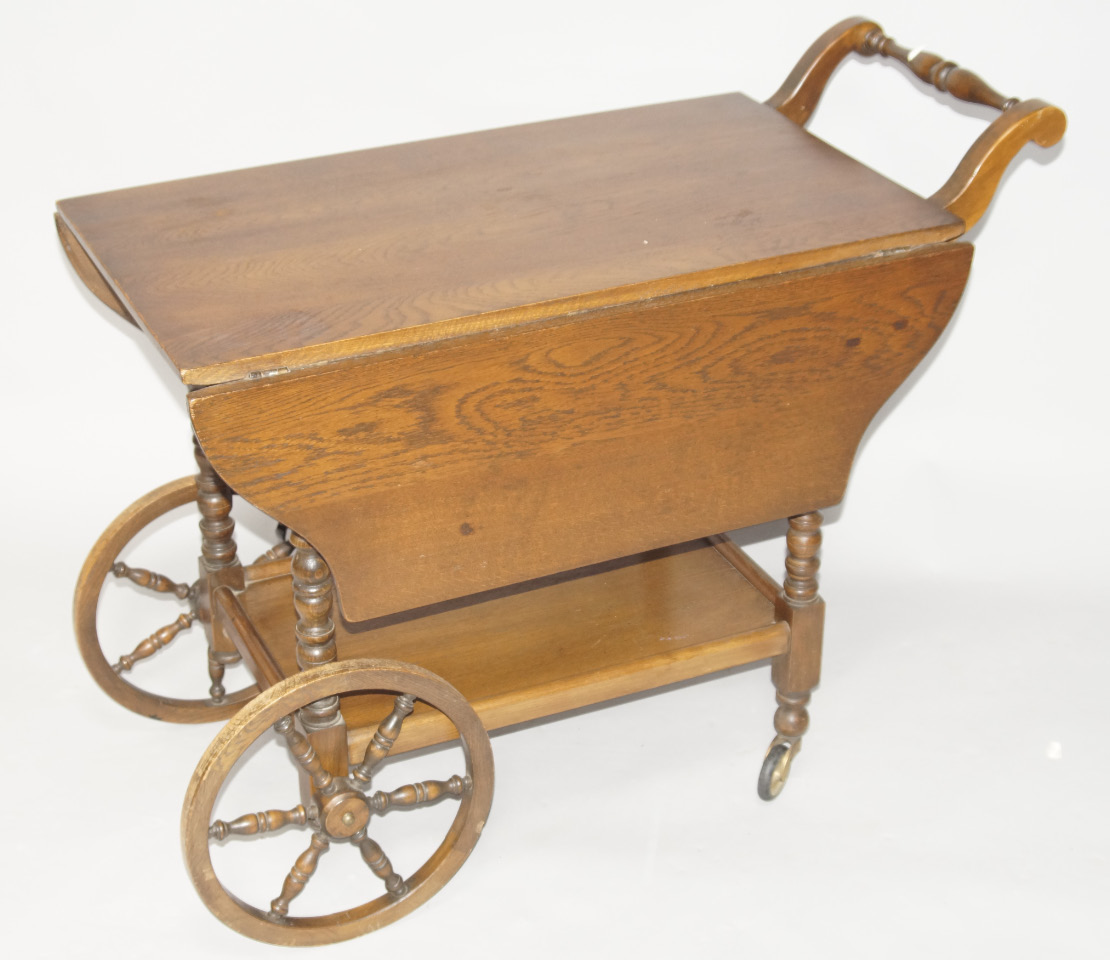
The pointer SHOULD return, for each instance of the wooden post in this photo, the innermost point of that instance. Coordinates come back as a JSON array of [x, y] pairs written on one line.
[[219, 564], [217, 527], [796, 672], [312, 596]]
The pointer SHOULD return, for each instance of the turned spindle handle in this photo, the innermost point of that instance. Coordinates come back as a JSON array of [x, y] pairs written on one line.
[[968, 192], [946, 75]]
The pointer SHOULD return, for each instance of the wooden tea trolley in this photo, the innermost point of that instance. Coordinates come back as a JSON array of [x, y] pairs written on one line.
[[505, 391]]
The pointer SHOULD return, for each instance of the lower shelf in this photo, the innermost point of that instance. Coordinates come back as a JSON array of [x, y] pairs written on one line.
[[551, 645]]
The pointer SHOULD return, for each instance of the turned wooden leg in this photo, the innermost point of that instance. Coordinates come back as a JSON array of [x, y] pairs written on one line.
[[312, 596], [219, 563], [796, 672], [217, 527]]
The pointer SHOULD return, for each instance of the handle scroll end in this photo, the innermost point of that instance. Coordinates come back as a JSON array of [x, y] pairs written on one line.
[[797, 98], [1050, 127], [970, 189]]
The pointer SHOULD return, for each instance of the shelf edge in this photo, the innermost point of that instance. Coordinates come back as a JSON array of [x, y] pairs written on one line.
[[574, 692]]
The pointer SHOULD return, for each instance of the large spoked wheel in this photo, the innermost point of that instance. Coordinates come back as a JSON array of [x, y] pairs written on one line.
[[102, 563], [342, 810]]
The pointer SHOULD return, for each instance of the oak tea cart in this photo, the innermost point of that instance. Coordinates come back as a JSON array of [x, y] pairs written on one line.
[[505, 391]]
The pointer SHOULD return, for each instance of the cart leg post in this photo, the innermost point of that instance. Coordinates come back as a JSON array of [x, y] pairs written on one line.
[[322, 720], [796, 672], [219, 564]]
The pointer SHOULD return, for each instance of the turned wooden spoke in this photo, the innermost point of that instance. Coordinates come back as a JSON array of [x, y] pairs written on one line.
[[150, 580], [251, 824], [281, 549], [379, 863], [218, 661], [155, 642], [216, 689], [306, 757], [419, 794], [299, 875], [384, 738]]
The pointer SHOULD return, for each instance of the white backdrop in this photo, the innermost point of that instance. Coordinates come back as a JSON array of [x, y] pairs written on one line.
[[952, 793]]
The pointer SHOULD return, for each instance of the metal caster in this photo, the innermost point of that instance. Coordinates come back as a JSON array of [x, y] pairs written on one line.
[[776, 767]]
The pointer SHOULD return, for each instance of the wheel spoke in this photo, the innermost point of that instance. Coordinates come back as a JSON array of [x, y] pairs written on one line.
[[281, 549], [420, 794], [379, 863], [306, 757], [155, 642], [384, 737], [149, 580], [299, 875], [251, 824], [218, 661]]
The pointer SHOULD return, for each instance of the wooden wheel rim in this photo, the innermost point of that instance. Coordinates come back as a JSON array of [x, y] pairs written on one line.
[[122, 530], [282, 699]]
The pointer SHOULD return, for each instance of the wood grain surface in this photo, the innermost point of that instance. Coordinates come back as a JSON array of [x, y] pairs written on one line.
[[287, 265], [433, 473], [550, 645]]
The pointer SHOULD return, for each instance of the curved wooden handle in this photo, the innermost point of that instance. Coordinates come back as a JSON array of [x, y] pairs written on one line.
[[797, 98], [946, 75], [969, 190]]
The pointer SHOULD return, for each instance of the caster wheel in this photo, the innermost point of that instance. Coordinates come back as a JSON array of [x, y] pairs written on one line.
[[374, 877], [112, 673], [776, 768]]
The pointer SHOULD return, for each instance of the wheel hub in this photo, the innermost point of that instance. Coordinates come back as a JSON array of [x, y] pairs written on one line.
[[344, 815]]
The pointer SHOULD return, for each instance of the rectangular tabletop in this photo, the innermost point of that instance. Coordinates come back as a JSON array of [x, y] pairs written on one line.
[[278, 267]]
